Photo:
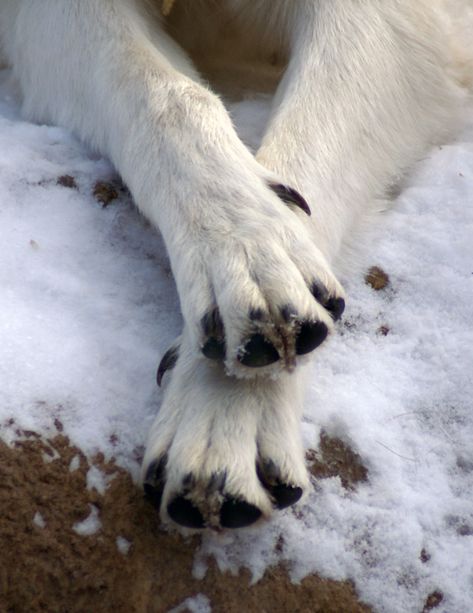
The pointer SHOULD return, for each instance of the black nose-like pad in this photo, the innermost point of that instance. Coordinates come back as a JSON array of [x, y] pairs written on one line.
[[238, 514], [155, 481], [183, 512], [335, 306], [311, 335], [258, 352]]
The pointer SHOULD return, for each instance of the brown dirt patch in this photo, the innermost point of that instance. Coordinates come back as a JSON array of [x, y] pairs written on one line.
[[433, 601], [105, 193], [47, 566], [377, 278], [335, 458], [67, 181]]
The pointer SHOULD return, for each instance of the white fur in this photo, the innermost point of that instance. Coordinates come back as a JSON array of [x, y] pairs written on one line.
[[368, 87]]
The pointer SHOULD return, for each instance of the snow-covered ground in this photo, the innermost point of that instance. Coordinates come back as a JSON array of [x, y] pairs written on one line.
[[88, 305]]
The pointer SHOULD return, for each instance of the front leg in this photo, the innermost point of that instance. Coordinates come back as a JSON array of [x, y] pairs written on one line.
[[255, 292], [365, 92]]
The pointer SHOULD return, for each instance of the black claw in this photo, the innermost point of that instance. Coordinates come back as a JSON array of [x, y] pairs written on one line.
[[183, 512], [258, 352], [311, 335], [168, 362], [290, 196], [238, 514], [335, 306], [212, 325], [155, 481]]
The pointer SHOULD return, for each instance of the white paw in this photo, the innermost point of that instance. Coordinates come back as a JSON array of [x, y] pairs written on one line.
[[256, 293], [223, 452]]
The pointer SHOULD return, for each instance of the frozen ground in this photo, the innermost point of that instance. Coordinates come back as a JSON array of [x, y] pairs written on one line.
[[88, 306]]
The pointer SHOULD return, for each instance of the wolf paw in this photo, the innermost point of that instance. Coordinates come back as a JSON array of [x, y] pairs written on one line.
[[257, 294], [223, 452]]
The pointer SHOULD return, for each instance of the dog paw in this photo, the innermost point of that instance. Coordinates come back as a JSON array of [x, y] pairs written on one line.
[[223, 452], [257, 294]]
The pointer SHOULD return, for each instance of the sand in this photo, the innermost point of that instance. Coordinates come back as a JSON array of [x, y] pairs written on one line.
[[46, 565]]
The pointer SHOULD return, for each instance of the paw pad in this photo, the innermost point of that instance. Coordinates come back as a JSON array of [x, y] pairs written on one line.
[[258, 352], [311, 335], [183, 512], [214, 349], [285, 495], [238, 514]]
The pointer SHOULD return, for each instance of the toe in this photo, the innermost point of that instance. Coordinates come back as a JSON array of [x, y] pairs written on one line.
[[311, 335], [258, 352], [285, 495], [183, 512], [238, 513], [212, 326], [335, 306], [214, 349]]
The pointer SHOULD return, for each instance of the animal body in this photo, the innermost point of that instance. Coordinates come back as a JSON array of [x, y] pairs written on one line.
[[361, 89]]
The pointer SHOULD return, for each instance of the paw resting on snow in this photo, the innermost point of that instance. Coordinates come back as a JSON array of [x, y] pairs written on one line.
[[223, 452]]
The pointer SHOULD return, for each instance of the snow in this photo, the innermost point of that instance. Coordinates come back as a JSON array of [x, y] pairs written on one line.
[[38, 520], [195, 604], [97, 480], [88, 306], [90, 525], [123, 545], [74, 464]]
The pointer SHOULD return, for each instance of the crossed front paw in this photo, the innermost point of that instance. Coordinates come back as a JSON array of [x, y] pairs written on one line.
[[257, 292], [223, 452]]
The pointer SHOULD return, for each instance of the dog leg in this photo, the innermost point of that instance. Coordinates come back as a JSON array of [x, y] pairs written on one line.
[[365, 93]]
